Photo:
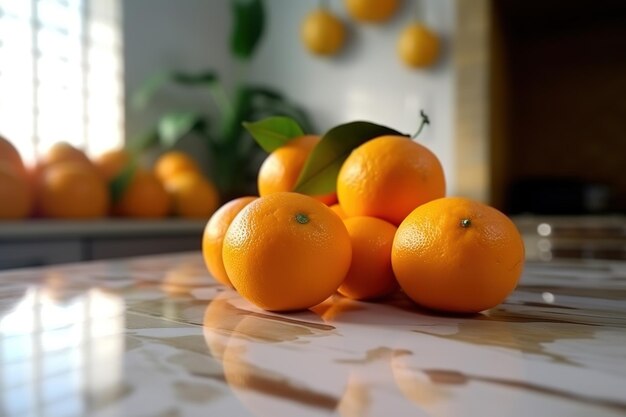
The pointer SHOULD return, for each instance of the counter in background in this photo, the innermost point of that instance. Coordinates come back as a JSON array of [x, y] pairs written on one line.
[[45, 242], [573, 237]]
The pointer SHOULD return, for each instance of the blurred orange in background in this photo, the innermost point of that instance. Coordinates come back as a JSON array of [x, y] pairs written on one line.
[[72, 189]]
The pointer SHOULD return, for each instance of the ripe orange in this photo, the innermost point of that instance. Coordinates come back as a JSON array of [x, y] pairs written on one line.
[[72, 190], [286, 251], [192, 195], [322, 32], [144, 197], [458, 255], [213, 236], [10, 155], [111, 163], [388, 177], [374, 11], [281, 169], [63, 152], [16, 200], [370, 275], [418, 47], [339, 211], [172, 163]]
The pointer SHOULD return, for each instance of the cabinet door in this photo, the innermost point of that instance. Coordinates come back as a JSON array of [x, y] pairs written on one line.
[[121, 248], [36, 253]]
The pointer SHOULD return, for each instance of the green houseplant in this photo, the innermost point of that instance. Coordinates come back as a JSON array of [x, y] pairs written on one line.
[[234, 155]]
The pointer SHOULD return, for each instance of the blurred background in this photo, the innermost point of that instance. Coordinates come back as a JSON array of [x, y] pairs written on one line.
[[525, 100]]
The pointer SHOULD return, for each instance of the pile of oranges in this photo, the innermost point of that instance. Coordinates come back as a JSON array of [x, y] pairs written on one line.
[[66, 184], [389, 227]]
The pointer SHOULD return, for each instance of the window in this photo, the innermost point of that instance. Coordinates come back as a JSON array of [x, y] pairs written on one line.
[[61, 74]]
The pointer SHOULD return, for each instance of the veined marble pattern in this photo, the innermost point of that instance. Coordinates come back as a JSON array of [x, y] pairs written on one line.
[[157, 336]]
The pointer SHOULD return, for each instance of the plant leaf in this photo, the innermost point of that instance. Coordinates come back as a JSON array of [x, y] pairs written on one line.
[[273, 132], [149, 88], [157, 81], [174, 126], [144, 141], [248, 25], [120, 183], [319, 175], [207, 77]]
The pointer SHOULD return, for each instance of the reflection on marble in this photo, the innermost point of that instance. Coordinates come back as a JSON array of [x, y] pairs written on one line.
[[157, 336]]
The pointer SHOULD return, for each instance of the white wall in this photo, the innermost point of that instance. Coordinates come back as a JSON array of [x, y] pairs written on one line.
[[365, 82]]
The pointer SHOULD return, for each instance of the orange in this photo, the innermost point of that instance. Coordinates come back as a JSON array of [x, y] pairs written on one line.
[[192, 195], [63, 152], [370, 274], [286, 251], [458, 255], [72, 190], [281, 169], [339, 211], [10, 155], [172, 163], [15, 195], [418, 47], [213, 236], [388, 177], [374, 11], [322, 32], [110, 164], [144, 197]]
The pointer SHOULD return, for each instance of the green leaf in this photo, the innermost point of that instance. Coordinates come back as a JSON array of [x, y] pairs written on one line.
[[208, 78], [157, 81], [246, 99], [174, 126], [248, 25], [120, 183], [319, 175], [141, 98], [144, 141], [273, 132]]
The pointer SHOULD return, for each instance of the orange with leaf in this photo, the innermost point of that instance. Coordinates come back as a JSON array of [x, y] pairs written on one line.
[[388, 177], [286, 251]]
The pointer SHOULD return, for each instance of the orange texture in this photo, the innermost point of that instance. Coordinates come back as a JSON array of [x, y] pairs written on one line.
[[418, 47], [213, 237], [16, 200], [111, 163], [322, 32], [62, 152], [457, 255], [370, 275], [72, 190], [286, 251], [192, 195], [339, 211], [10, 156], [144, 197], [172, 163], [373, 11], [281, 169], [388, 177]]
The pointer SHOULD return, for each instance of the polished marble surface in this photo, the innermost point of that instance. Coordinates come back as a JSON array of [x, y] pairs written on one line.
[[156, 336]]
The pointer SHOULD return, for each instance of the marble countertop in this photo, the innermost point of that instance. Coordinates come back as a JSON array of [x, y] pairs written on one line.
[[156, 336]]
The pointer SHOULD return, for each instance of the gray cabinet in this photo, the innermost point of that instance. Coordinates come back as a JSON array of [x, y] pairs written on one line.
[[39, 242]]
